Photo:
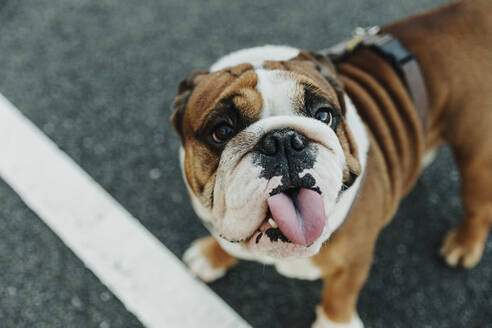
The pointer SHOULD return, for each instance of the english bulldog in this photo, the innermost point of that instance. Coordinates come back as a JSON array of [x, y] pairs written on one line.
[[293, 161]]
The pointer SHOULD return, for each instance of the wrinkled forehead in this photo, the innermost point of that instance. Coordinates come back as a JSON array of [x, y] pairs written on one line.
[[271, 89]]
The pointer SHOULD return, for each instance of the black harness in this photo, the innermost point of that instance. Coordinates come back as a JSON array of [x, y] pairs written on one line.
[[393, 51]]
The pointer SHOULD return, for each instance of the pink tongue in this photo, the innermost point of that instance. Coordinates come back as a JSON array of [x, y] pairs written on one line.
[[303, 222]]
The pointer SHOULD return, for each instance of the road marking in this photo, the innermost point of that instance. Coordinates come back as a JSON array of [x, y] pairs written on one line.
[[149, 280]]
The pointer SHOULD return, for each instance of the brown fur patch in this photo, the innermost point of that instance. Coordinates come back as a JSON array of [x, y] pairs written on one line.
[[209, 92], [217, 257]]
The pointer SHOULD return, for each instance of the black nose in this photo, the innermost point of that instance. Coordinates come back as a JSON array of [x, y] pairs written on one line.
[[286, 153], [282, 140]]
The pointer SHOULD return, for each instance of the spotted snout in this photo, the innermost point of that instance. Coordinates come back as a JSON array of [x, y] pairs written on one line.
[[286, 153]]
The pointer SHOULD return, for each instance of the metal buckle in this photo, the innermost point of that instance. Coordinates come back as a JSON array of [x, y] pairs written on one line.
[[366, 31], [359, 36]]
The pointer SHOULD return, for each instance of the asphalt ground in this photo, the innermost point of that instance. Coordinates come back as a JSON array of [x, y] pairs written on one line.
[[98, 77], [42, 283]]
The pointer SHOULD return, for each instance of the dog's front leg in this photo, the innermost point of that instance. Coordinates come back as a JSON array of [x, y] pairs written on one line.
[[339, 296], [207, 260], [344, 263]]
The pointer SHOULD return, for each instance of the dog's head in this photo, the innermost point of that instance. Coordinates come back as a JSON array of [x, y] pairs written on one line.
[[267, 150]]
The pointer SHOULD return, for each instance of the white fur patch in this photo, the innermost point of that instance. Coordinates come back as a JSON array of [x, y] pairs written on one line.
[[199, 265], [277, 91], [322, 321], [255, 56], [302, 268]]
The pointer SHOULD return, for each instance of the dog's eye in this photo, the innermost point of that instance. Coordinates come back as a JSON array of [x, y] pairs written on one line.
[[324, 114], [222, 132]]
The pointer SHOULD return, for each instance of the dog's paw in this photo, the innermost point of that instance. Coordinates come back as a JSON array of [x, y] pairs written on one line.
[[302, 268], [322, 321], [199, 264], [460, 248]]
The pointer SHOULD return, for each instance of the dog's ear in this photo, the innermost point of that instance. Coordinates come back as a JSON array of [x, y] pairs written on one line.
[[326, 68], [185, 90]]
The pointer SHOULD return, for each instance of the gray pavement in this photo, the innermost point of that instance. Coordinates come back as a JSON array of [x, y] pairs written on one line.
[[98, 78], [42, 283]]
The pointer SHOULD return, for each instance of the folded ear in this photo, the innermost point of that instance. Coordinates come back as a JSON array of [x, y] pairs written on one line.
[[185, 89], [326, 68]]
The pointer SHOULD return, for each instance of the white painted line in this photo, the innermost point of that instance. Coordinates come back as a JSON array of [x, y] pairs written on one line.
[[139, 270]]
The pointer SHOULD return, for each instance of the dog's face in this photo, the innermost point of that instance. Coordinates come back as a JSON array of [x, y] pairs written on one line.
[[266, 152]]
